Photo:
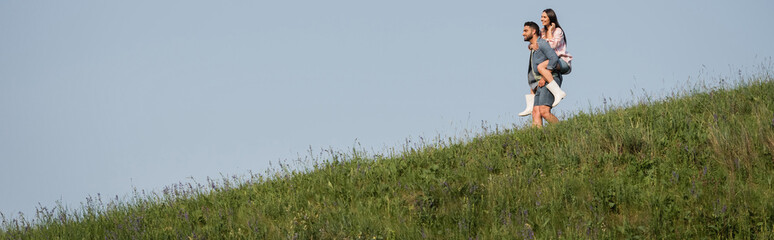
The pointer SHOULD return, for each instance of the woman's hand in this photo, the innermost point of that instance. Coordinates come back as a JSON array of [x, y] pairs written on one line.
[[550, 33], [541, 83]]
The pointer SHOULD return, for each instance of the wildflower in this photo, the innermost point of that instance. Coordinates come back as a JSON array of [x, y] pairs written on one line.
[[529, 234], [505, 220], [473, 188]]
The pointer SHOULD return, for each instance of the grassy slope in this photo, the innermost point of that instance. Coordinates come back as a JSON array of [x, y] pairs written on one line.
[[685, 167]]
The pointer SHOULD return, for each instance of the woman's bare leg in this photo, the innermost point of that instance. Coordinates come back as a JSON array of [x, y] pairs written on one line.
[[557, 91], [544, 72]]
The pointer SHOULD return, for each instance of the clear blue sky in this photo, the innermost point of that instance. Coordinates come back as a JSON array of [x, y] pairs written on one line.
[[103, 96]]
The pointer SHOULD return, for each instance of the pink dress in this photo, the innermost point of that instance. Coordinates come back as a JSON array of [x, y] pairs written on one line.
[[558, 44]]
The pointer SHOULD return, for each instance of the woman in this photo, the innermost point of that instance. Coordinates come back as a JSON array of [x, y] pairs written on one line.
[[553, 33]]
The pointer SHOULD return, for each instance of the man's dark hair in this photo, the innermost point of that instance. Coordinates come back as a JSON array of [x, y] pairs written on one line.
[[534, 26]]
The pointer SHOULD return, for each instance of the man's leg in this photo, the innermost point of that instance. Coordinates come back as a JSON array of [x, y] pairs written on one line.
[[545, 112], [537, 120]]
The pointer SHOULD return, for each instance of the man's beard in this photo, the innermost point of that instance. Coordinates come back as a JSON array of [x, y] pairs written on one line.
[[528, 38]]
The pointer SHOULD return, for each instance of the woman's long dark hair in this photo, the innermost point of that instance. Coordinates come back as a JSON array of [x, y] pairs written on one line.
[[552, 19]]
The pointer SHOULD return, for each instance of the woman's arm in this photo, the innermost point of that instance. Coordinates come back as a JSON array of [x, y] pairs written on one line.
[[550, 31], [555, 38]]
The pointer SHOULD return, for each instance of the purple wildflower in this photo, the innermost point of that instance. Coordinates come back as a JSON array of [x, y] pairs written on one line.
[[505, 220]]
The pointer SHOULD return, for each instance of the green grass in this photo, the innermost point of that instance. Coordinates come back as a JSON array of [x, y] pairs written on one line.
[[694, 165]]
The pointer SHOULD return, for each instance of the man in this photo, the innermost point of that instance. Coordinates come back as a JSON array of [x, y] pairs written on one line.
[[539, 52]]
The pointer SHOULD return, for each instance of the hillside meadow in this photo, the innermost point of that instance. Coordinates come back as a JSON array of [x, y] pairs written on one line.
[[698, 163]]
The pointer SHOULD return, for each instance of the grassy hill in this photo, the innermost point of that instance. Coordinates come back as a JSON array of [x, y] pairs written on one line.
[[693, 165]]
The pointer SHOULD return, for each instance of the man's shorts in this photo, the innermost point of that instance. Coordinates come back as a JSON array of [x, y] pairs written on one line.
[[543, 97]]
